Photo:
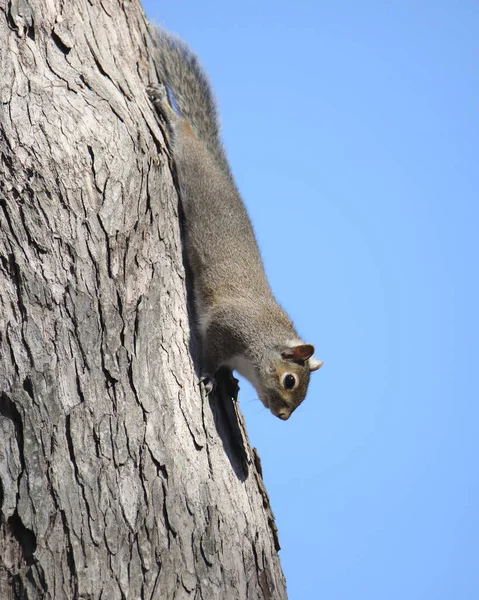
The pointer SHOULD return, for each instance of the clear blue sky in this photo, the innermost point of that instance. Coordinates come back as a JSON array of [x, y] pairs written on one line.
[[353, 132]]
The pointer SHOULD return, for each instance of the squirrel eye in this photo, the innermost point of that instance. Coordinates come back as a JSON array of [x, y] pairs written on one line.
[[289, 381]]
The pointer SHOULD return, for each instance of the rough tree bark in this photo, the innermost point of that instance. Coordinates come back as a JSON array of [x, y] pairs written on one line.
[[117, 479]]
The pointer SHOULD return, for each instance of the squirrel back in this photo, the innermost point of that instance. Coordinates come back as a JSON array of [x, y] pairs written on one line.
[[241, 325]]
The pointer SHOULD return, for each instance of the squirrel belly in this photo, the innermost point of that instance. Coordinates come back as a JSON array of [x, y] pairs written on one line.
[[240, 324]]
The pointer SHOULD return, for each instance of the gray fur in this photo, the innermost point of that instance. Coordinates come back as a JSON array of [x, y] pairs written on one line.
[[179, 69], [240, 323]]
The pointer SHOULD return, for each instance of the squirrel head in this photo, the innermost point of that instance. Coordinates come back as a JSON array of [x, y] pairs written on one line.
[[284, 385]]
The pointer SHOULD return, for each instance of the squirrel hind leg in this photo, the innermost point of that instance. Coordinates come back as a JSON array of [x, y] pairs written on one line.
[[158, 95], [157, 91]]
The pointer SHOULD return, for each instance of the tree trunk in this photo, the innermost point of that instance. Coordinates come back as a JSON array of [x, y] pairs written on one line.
[[117, 479]]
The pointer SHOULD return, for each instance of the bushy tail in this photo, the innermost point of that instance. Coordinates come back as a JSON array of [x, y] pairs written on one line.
[[180, 70]]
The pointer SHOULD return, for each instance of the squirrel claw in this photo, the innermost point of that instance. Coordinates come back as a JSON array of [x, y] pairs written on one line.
[[207, 384], [157, 92]]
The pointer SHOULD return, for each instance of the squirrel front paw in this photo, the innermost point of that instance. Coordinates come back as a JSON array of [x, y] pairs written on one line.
[[207, 384]]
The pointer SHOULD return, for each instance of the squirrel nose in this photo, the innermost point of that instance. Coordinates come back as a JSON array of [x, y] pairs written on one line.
[[283, 414]]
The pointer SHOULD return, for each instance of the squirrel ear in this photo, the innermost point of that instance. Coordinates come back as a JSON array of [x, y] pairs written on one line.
[[298, 353], [315, 364]]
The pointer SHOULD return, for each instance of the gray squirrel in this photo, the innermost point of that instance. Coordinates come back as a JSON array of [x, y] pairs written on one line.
[[240, 324]]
